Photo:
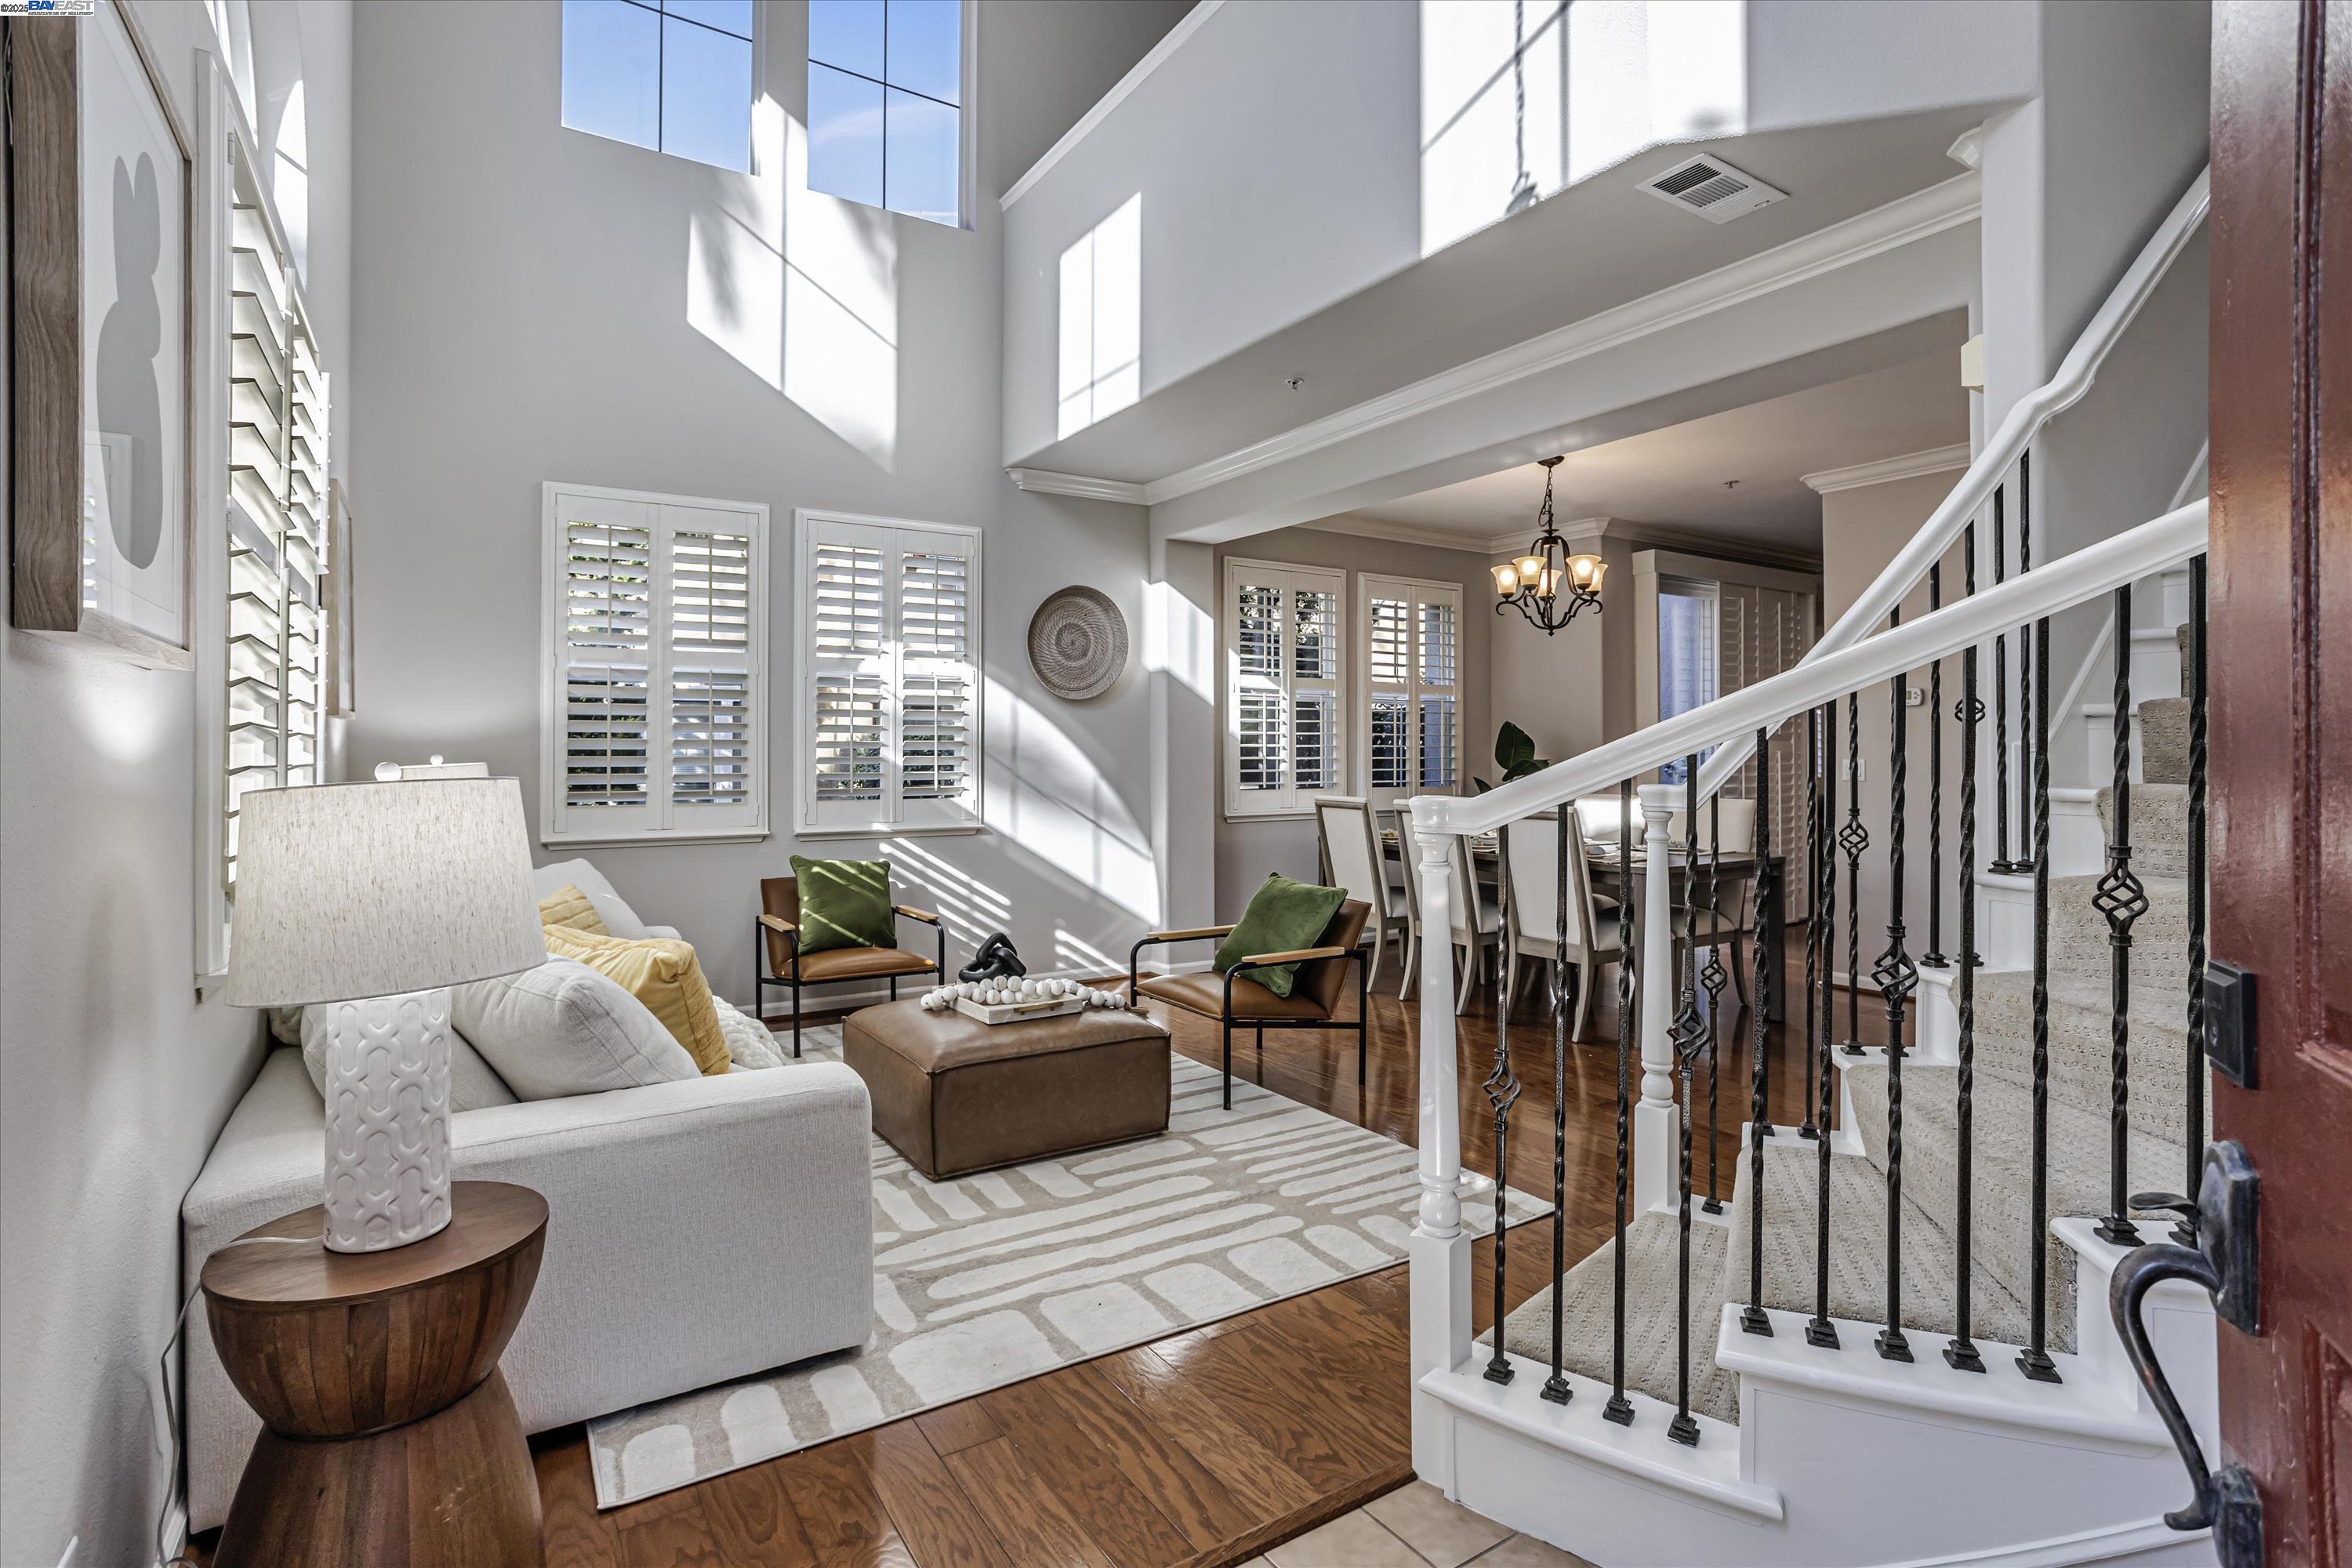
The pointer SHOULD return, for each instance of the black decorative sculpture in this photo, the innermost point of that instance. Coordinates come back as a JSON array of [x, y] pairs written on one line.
[[997, 959]]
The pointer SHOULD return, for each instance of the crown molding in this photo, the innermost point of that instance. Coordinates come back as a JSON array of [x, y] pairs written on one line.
[[1045, 482], [1905, 221], [1516, 541], [1395, 532], [1885, 470], [1664, 536], [1184, 29]]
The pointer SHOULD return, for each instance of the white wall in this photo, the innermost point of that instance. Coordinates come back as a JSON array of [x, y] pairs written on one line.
[[114, 1079], [536, 304]]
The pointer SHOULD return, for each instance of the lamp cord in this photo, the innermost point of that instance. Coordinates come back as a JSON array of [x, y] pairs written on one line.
[[174, 1491]]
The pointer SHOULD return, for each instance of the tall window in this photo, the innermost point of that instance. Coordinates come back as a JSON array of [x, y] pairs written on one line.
[[1412, 686], [671, 75], [277, 517], [1284, 731], [889, 691], [1687, 660], [657, 637], [885, 104]]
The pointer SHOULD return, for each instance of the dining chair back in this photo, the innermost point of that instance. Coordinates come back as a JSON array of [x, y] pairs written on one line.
[[1408, 859], [1349, 845]]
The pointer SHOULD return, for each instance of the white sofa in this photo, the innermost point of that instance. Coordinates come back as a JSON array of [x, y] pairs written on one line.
[[697, 1231]]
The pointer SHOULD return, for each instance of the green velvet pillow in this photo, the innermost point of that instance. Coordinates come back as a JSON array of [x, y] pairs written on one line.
[[844, 903], [1283, 917]]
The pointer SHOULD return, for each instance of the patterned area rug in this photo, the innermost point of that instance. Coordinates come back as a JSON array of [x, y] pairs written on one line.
[[994, 1278]]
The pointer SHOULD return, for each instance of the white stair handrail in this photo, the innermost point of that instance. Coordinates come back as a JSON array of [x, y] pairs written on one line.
[[2018, 429], [2168, 540]]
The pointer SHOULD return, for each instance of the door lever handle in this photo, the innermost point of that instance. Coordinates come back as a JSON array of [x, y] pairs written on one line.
[[2223, 1262]]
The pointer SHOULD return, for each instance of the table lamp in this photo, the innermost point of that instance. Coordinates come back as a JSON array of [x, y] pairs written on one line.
[[375, 896]]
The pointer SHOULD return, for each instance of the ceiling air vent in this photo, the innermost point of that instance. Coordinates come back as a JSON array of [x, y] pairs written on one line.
[[1713, 189]]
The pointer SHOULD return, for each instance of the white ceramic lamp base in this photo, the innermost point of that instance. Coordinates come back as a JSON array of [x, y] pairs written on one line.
[[388, 1092]]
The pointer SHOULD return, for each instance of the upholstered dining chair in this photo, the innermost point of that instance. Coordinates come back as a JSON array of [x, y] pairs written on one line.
[[1532, 913], [1478, 919], [1232, 998], [1724, 922], [1349, 844], [1407, 889], [778, 930]]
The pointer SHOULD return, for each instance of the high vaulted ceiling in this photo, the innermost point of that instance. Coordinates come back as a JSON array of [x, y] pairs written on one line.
[[1678, 477]]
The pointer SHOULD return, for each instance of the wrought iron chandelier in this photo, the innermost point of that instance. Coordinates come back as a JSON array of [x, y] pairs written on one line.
[[1548, 585]]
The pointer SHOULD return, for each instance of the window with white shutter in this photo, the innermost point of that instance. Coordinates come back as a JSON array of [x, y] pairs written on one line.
[[1285, 731], [1411, 664], [656, 620], [890, 694]]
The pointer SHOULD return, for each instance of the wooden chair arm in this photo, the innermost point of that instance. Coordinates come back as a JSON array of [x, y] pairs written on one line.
[[915, 914], [1302, 955], [777, 923], [1193, 934]]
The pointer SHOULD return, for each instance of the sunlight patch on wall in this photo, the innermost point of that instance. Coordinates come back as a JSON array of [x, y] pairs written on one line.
[[1518, 101], [1044, 794], [1101, 358], [1180, 639], [970, 908], [801, 288]]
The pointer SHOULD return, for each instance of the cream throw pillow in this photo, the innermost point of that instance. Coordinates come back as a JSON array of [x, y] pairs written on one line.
[[567, 906], [564, 1029], [662, 973]]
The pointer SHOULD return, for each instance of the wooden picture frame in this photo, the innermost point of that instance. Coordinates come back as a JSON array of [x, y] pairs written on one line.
[[102, 436]]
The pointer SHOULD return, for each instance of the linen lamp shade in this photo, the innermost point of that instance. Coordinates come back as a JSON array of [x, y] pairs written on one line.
[[375, 898], [369, 890]]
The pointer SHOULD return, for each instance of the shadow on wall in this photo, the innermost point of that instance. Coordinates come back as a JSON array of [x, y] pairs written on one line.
[[801, 288]]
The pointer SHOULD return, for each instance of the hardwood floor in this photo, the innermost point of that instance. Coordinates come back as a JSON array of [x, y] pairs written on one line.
[[1201, 1450]]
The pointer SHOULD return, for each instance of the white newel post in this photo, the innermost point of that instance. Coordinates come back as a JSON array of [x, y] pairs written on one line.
[[1657, 1146], [1438, 1252]]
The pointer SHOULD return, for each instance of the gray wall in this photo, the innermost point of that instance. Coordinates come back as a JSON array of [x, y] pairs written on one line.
[[1248, 848], [114, 1078], [533, 304]]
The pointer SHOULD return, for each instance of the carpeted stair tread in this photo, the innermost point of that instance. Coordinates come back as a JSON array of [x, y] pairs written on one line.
[[1857, 1249], [2164, 740], [2159, 827], [2080, 1072], [1588, 1309], [2002, 1227], [2078, 932]]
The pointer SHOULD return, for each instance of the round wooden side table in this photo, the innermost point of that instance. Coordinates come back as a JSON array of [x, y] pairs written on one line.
[[388, 1434]]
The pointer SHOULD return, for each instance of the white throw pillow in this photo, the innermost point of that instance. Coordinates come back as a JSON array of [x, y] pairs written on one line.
[[749, 1044], [472, 1084], [564, 1029], [612, 908]]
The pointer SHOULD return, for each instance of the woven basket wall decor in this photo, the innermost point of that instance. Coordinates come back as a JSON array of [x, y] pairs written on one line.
[[1077, 644]]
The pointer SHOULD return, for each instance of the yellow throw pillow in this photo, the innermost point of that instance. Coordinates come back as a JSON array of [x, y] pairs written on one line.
[[662, 973], [567, 906]]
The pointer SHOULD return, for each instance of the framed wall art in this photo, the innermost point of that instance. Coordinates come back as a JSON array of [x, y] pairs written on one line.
[[102, 396]]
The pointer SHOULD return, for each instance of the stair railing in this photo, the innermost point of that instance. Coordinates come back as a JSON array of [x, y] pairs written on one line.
[[1679, 892]]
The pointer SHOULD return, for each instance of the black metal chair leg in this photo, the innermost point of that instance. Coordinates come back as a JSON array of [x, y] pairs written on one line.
[[894, 988], [796, 1022], [1229, 1063], [1363, 1016]]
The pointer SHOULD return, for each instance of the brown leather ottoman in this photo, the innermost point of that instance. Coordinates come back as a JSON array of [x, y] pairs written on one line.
[[954, 1095]]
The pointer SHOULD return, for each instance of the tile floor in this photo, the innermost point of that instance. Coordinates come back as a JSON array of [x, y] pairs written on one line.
[[1414, 1526]]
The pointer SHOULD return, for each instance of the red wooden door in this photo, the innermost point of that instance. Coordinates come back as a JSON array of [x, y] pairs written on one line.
[[2281, 679]]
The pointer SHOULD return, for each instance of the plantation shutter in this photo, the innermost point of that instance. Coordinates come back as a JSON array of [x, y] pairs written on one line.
[[892, 695], [1412, 685], [656, 684], [1286, 734]]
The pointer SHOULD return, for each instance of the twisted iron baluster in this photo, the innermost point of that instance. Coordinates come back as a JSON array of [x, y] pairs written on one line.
[[1714, 977], [1854, 838], [1689, 1036], [2123, 901], [2034, 1361], [1934, 957], [2028, 659], [2194, 1140], [1969, 711], [1502, 1087], [1961, 1351], [1816, 848], [1822, 722], [1759, 1126], [1555, 1387], [1897, 977], [2000, 860], [1620, 1409]]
